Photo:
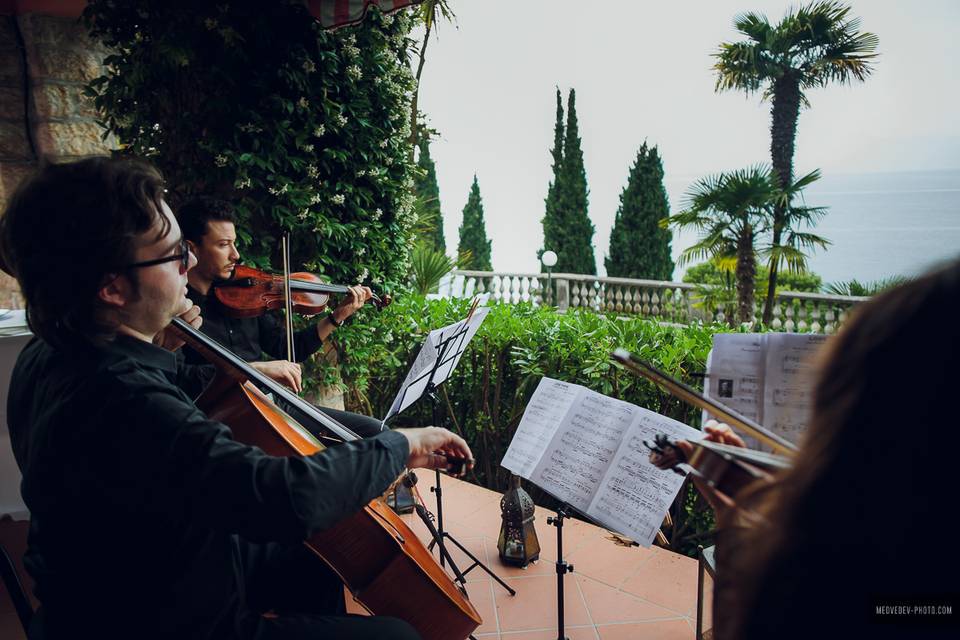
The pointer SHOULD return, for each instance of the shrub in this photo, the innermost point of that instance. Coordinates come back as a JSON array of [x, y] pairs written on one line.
[[517, 345]]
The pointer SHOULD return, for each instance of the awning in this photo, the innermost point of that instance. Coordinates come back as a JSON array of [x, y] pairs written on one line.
[[332, 14]]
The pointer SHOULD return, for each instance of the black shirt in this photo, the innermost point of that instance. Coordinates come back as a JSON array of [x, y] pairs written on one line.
[[249, 338], [137, 499]]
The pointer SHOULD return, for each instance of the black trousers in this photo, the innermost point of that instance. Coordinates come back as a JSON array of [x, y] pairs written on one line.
[[303, 598], [363, 426]]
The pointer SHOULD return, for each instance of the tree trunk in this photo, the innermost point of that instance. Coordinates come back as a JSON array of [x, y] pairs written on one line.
[[416, 93], [746, 272], [783, 132]]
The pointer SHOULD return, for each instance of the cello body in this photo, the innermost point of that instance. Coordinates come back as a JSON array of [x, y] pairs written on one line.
[[379, 558]]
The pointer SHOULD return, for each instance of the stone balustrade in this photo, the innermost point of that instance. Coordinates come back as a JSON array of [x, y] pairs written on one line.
[[677, 302]]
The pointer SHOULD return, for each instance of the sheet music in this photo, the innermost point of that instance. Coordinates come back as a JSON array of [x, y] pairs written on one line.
[[587, 450], [417, 378], [540, 422], [635, 495], [787, 395], [735, 373], [766, 377]]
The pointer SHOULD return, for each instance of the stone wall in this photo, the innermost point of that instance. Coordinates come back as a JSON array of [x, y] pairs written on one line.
[[45, 62]]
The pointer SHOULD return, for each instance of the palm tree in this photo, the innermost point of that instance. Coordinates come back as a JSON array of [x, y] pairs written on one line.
[[427, 14], [810, 47], [790, 249], [729, 210]]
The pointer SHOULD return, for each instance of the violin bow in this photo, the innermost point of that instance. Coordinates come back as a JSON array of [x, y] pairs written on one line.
[[697, 399], [287, 297]]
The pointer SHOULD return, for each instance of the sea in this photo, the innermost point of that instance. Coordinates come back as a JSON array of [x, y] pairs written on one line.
[[879, 224]]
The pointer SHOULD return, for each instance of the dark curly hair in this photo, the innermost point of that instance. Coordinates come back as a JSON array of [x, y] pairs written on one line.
[[66, 229], [196, 213]]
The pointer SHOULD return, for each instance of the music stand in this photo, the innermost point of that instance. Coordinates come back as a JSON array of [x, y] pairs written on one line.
[[449, 345]]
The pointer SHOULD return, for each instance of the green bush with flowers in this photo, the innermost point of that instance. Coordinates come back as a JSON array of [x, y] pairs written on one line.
[[305, 131]]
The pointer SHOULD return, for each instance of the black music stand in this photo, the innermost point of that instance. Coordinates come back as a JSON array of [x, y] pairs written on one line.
[[449, 348]]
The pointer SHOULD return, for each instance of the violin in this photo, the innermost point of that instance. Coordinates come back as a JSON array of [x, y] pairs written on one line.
[[722, 467], [251, 292], [379, 558]]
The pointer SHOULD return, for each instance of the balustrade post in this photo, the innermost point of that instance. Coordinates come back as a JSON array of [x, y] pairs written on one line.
[[561, 288]]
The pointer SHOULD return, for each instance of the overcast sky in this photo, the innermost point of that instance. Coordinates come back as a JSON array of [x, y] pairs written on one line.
[[642, 71]]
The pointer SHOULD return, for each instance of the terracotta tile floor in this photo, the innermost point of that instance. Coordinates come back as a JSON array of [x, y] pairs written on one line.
[[615, 592]]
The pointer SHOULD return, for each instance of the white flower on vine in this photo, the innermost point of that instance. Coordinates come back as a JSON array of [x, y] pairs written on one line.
[[361, 173], [363, 275], [277, 190], [361, 251], [315, 199], [351, 51], [220, 160], [388, 161], [354, 72], [341, 119], [303, 103], [363, 232], [384, 143], [312, 170], [387, 21], [376, 214], [350, 40], [303, 214], [318, 131], [377, 81], [337, 199], [308, 148], [242, 184], [308, 66]]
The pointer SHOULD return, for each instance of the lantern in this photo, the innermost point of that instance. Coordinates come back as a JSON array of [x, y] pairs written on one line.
[[518, 542]]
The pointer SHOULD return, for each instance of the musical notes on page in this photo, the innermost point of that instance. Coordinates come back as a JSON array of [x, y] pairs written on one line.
[[587, 450], [766, 377]]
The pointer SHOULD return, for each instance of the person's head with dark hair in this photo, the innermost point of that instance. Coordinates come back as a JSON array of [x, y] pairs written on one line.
[[209, 225], [196, 214], [96, 251], [850, 522]]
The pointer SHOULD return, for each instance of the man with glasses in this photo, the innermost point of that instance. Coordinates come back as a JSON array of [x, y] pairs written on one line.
[[147, 519]]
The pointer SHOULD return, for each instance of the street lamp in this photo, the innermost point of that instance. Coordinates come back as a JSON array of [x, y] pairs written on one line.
[[549, 259]]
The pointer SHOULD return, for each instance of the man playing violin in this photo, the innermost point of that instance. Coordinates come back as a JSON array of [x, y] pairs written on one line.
[[209, 226], [148, 520]]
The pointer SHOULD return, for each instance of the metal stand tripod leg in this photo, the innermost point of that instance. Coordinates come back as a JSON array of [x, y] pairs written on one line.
[[441, 535], [563, 568]]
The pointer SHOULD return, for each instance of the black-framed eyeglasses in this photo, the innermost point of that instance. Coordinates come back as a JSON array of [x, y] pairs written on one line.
[[183, 257]]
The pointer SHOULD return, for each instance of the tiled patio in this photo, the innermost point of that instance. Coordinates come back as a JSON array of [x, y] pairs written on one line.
[[615, 592]]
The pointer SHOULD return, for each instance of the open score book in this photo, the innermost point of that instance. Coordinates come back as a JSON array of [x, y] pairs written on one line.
[[588, 451]]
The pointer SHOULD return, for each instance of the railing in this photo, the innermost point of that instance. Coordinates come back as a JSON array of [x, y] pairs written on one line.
[[677, 302]]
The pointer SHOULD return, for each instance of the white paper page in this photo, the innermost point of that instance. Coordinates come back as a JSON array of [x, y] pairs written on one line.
[[582, 448], [788, 384], [635, 495], [412, 389], [541, 419], [459, 345], [736, 373]]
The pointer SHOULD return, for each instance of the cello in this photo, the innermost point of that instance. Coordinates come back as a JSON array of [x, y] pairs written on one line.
[[377, 556]]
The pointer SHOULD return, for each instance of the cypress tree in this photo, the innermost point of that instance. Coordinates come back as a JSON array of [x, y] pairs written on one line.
[[639, 247], [428, 193], [575, 231], [473, 232], [550, 221]]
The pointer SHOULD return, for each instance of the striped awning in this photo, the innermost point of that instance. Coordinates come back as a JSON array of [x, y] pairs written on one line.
[[340, 13], [330, 13]]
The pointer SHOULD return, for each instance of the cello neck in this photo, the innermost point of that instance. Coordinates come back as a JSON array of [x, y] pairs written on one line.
[[234, 366]]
